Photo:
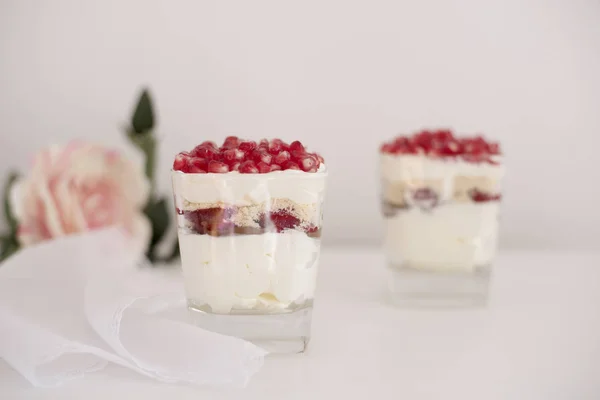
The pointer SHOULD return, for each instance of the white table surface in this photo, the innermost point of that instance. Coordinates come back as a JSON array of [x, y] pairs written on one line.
[[539, 338]]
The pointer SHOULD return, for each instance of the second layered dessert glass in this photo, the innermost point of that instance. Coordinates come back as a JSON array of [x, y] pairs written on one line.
[[441, 202], [250, 221]]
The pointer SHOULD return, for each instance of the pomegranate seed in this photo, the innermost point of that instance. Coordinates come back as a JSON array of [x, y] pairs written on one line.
[[248, 167], [494, 148], [197, 166], [443, 135], [275, 146], [321, 159], [450, 149], [181, 161], [282, 157], [297, 146], [204, 151], [264, 144], [217, 167], [232, 155], [309, 164], [231, 142], [290, 165], [234, 166], [263, 168], [247, 146], [260, 155], [275, 167]]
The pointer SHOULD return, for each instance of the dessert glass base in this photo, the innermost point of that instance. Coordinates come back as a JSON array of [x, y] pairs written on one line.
[[276, 333], [412, 287]]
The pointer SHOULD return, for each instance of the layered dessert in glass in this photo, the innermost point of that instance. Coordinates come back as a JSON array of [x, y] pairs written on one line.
[[441, 202], [249, 225]]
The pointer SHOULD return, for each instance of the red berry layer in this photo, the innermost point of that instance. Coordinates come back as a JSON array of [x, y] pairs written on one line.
[[443, 144], [217, 221], [247, 157]]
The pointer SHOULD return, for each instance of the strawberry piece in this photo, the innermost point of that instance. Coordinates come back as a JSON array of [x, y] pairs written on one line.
[[214, 220], [479, 196], [281, 220], [248, 167]]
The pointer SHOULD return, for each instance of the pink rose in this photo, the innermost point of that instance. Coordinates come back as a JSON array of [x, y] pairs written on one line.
[[80, 187]]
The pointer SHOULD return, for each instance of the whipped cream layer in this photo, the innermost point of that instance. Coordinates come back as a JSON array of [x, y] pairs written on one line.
[[233, 188], [452, 237], [450, 178], [408, 166], [270, 271]]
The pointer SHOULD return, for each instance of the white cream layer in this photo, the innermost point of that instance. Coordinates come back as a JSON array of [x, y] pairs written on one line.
[[246, 189], [459, 236], [408, 167], [267, 271]]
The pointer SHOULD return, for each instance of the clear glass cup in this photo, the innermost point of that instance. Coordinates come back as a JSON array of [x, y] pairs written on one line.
[[250, 247], [441, 217]]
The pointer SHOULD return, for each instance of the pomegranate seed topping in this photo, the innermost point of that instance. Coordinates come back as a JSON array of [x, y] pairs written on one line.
[[290, 165], [247, 156], [248, 167], [247, 146], [443, 135], [297, 146], [263, 168], [494, 148], [275, 146], [230, 142], [321, 159], [217, 167], [181, 161], [261, 155], [197, 166], [309, 164], [231, 155], [442, 143], [204, 151], [282, 157]]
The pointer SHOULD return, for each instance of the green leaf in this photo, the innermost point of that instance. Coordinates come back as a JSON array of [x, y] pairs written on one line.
[[9, 246], [8, 215], [159, 219], [143, 116]]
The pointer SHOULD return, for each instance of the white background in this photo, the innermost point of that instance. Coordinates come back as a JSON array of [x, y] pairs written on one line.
[[340, 75]]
